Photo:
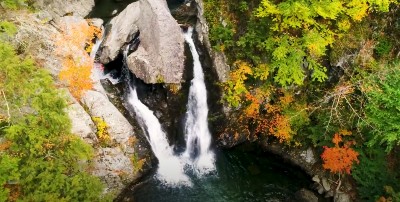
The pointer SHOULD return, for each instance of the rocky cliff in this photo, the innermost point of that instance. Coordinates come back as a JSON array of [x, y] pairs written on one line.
[[113, 162], [159, 57]]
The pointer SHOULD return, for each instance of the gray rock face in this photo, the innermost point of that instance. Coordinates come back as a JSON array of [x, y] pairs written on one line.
[[57, 8], [305, 195], [113, 167], [98, 105], [218, 58], [160, 55], [123, 28], [113, 164], [82, 124]]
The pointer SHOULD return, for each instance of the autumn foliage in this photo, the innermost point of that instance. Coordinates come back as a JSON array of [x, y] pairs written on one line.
[[339, 159], [74, 44]]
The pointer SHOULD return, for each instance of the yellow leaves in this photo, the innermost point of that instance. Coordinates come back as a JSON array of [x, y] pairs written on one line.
[[328, 10], [235, 87], [280, 128], [317, 41], [102, 130], [357, 9], [73, 45], [286, 100], [344, 25], [266, 9]]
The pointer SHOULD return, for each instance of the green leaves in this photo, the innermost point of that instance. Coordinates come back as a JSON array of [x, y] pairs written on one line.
[[383, 106], [44, 161]]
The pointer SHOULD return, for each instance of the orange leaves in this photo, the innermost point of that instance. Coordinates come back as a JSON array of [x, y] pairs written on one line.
[[339, 159], [73, 45], [77, 78], [336, 140], [5, 145], [280, 127]]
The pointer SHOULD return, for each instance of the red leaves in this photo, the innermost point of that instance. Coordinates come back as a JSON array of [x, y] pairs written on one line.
[[339, 159]]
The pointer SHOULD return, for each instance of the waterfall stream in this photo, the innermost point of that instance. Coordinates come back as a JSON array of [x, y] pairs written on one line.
[[170, 167], [237, 175], [198, 137]]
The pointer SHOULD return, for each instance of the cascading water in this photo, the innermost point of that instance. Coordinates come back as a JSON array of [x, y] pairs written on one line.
[[198, 137], [170, 167]]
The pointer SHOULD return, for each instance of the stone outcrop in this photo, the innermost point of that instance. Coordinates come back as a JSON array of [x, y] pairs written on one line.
[[99, 106], [112, 163], [51, 9], [160, 55], [120, 30], [82, 124], [218, 58]]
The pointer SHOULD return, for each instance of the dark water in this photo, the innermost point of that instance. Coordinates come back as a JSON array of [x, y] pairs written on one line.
[[240, 176]]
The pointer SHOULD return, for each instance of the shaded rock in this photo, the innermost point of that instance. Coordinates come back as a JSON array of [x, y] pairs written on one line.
[[185, 13], [305, 195], [316, 179], [120, 30], [342, 197], [218, 58], [293, 155], [326, 184], [160, 56], [308, 156]]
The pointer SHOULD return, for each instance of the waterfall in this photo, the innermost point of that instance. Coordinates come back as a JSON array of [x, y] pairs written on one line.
[[197, 134], [170, 167]]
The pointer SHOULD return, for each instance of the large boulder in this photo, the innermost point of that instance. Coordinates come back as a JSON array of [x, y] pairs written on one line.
[[160, 55], [120, 30]]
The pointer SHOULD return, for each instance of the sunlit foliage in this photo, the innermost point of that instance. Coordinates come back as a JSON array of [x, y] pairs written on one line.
[[74, 44], [39, 159]]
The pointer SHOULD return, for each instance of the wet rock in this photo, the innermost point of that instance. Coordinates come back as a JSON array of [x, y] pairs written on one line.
[[120, 30], [186, 13], [305, 195], [160, 55]]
